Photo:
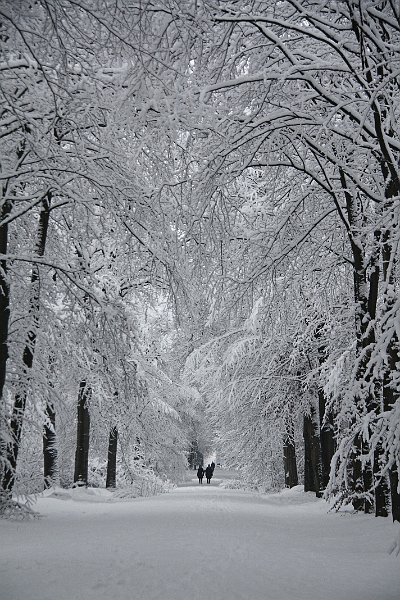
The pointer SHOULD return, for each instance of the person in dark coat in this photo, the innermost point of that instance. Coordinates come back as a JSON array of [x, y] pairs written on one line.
[[200, 474], [213, 466], [209, 473]]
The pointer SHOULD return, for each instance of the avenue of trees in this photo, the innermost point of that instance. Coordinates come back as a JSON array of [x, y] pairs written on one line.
[[199, 235]]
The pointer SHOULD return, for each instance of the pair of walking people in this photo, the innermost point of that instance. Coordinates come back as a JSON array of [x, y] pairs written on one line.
[[208, 472]]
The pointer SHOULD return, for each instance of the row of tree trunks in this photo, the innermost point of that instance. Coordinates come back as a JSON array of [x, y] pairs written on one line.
[[319, 447], [83, 439], [82, 444], [374, 265]]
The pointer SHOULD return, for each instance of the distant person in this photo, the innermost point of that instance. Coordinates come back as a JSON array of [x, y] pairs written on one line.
[[200, 474], [209, 473], [213, 466]]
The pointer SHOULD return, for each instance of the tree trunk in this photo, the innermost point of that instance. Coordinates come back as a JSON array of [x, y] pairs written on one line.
[[50, 455], [326, 423], [289, 462], [289, 454], [368, 482], [382, 492], [356, 477], [312, 454], [366, 289], [390, 393], [82, 435], [193, 458], [112, 458], [390, 396], [327, 439], [394, 494], [50, 464], [4, 324], [364, 337], [18, 412]]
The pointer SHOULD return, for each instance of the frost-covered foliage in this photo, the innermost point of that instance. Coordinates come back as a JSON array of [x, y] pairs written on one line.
[[134, 477], [81, 150], [362, 414], [256, 381], [307, 103], [144, 483], [19, 509], [230, 169], [130, 390]]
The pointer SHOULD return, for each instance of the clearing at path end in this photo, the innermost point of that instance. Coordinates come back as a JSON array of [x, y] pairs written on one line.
[[198, 542]]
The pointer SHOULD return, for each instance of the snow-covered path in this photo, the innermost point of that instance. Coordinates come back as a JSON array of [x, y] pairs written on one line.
[[197, 542]]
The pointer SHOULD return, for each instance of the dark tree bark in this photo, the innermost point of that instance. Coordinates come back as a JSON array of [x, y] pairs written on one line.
[[50, 465], [382, 492], [390, 396], [356, 481], [4, 324], [327, 439], [368, 480], [394, 494], [326, 423], [4, 297], [5, 212], [312, 454], [390, 393], [191, 455], [111, 478], [193, 458], [20, 398], [380, 484], [289, 455], [289, 462], [82, 435]]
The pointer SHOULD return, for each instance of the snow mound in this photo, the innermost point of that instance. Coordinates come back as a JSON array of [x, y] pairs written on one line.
[[15, 509], [144, 487], [294, 495], [231, 484], [287, 496], [395, 547], [79, 494]]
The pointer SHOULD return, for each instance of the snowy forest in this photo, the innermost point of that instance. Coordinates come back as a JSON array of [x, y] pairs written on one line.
[[199, 245]]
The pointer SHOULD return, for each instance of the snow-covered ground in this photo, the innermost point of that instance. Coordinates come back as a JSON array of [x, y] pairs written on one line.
[[196, 542]]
